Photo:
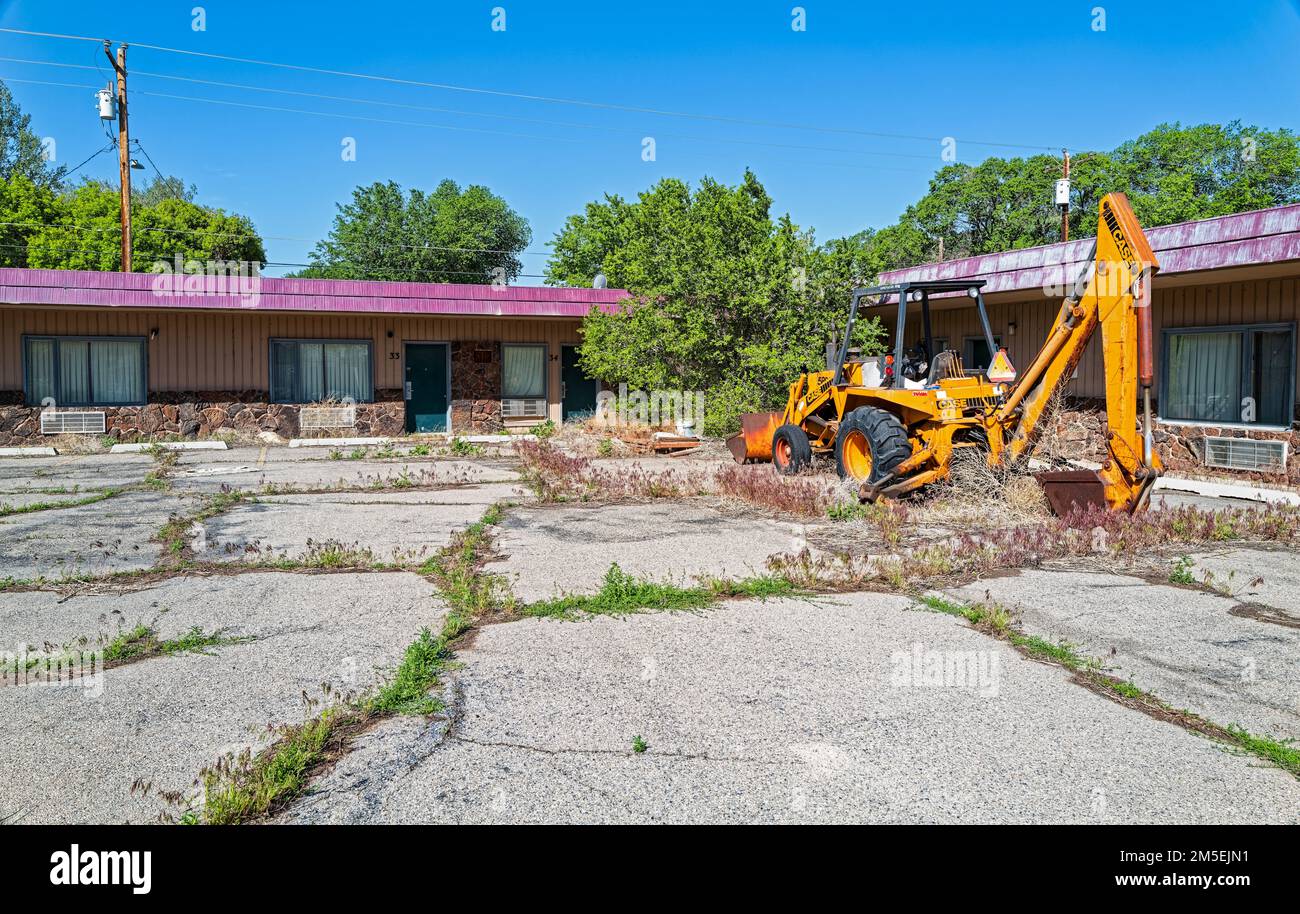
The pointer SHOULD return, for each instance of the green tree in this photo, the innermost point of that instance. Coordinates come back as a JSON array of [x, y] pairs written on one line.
[[449, 235], [726, 299], [24, 207], [1171, 174], [1176, 174], [84, 233]]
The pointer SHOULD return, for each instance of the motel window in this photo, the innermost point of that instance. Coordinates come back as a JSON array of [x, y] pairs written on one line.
[[523, 372], [1229, 374], [310, 371], [84, 371]]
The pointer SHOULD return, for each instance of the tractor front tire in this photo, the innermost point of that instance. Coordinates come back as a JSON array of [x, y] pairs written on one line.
[[870, 444], [791, 451]]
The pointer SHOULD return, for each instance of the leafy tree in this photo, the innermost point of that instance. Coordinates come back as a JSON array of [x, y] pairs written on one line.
[[84, 233], [21, 153], [1176, 174], [163, 187], [1171, 174], [24, 206], [450, 235], [727, 300]]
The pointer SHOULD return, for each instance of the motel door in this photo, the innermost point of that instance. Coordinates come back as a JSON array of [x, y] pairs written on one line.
[[426, 391], [579, 395]]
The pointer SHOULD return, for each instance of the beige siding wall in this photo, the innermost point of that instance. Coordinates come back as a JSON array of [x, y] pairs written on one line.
[[1264, 301], [229, 350]]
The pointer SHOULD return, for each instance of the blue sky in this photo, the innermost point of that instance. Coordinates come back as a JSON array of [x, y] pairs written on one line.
[[1029, 74]]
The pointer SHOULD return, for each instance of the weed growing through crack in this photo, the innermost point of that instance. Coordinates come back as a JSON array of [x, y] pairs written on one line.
[[1181, 573], [421, 450], [164, 461], [7, 509], [621, 594], [335, 454], [175, 534], [639, 745], [459, 447], [249, 787], [142, 641]]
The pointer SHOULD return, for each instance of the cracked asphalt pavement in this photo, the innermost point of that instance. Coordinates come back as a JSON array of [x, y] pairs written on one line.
[[789, 710]]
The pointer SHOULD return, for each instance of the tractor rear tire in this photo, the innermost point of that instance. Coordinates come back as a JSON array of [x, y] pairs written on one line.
[[791, 451], [870, 444]]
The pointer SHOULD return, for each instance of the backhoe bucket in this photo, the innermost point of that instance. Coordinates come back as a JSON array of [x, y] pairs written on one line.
[[754, 440], [1071, 490]]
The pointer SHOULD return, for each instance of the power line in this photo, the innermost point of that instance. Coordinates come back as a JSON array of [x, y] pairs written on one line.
[[478, 90], [549, 139], [87, 159], [460, 111]]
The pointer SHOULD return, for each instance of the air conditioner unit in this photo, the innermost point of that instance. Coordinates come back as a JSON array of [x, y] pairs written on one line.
[[1253, 454], [523, 408], [72, 423], [312, 418]]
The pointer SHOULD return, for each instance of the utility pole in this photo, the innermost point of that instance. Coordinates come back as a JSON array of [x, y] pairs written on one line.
[[1064, 198], [123, 149]]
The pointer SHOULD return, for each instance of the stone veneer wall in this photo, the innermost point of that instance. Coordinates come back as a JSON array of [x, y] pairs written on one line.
[[475, 407], [476, 387], [1080, 427], [196, 414]]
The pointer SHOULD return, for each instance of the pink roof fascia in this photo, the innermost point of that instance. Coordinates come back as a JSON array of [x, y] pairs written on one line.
[[1245, 239], [145, 290]]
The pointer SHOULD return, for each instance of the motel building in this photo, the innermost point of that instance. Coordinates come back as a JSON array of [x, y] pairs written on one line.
[[133, 355], [1224, 313]]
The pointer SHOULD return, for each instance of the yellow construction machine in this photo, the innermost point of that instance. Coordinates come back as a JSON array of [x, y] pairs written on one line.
[[894, 422]]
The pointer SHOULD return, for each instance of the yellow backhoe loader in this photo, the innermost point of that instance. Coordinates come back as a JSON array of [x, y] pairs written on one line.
[[894, 422]]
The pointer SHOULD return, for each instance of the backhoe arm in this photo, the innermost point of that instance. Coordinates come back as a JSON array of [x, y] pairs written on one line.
[[1114, 293]]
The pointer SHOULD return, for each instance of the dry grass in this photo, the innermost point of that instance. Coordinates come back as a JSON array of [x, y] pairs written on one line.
[[554, 475], [978, 495]]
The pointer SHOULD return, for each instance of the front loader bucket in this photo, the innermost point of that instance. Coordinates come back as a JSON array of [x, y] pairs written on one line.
[[1070, 490], [754, 440]]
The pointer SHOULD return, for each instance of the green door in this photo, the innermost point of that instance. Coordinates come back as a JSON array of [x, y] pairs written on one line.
[[579, 390], [426, 387]]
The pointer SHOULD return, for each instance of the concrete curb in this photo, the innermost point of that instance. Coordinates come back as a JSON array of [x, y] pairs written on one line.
[[28, 451], [1226, 490], [1206, 487], [169, 446]]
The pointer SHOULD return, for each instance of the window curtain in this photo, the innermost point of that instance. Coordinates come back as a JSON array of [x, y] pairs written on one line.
[[315, 371], [347, 367], [117, 368], [311, 368], [523, 371], [74, 372], [1204, 377], [40, 371]]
